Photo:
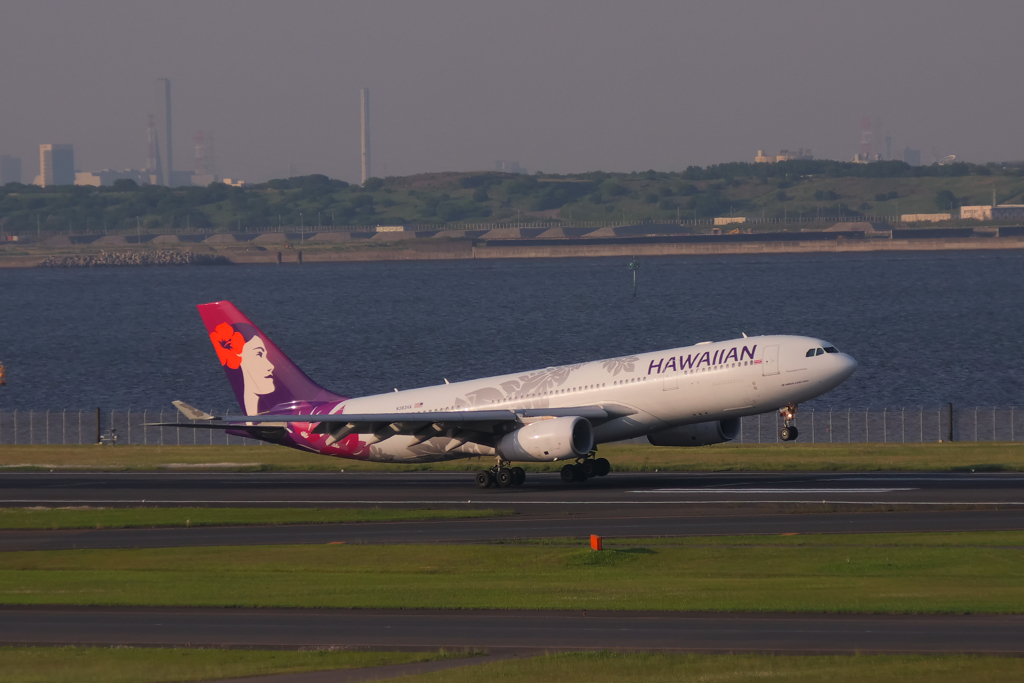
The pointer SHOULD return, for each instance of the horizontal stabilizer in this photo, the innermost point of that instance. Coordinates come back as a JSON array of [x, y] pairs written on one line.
[[191, 413]]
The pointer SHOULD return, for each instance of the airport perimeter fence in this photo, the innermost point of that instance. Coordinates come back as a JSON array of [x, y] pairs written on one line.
[[890, 425]]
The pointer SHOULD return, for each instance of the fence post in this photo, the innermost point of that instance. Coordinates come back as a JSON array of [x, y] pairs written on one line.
[[79, 426], [922, 424], [64, 428], [31, 427], [830, 425], [903, 423], [885, 427], [98, 425], [993, 423], [1011, 424], [867, 428], [129, 418], [812, 425], [975, 424], [47, 426], [15, 426], [848, 437]]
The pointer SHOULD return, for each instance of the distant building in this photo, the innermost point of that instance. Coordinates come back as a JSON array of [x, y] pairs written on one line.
[[911, 156], [233, 183], [56, 165], [993, 213], [508, 166], [925, 217], [107, 177], [182, 179], [800, 154], [729, 220], [866, 158], [10, 169]]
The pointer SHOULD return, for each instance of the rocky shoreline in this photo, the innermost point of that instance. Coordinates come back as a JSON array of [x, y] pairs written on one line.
[[161, 257]]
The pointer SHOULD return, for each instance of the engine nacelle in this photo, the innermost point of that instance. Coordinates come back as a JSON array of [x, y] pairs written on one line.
[[701, 434], [547, 440]]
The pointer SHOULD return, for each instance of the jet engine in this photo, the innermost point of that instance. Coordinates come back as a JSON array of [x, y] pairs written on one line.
[[546, 440], [701, 434]]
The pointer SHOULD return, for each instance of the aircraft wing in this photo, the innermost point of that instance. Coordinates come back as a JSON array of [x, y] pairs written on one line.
[[462, 425]]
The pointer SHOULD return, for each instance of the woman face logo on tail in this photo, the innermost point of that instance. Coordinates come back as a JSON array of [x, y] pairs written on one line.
[[258, 373], [240, 348]]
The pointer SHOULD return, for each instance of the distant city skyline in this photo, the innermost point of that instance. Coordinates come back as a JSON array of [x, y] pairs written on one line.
[[561, 87]]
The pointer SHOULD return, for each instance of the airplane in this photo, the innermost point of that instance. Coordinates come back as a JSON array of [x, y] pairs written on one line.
[[688, 396]]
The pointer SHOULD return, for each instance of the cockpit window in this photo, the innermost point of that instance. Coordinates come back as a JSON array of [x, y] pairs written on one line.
[[831, 349], [820, 352], [810, 352]]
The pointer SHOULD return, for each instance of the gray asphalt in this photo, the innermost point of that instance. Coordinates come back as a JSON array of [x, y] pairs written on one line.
[[633, 505], [526, 525], [541, 490], [498, 630]]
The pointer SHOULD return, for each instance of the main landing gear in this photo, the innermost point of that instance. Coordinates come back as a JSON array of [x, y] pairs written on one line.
[[585, 469], [501, 476], [789, 432]]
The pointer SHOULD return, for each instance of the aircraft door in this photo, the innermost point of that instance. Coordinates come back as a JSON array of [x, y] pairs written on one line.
[[770, 362]]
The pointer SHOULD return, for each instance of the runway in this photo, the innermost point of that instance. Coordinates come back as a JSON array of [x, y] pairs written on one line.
[[628, 505], [498, 630], [545, 490], [520, 526]]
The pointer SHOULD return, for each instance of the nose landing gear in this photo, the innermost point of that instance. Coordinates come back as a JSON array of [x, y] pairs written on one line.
[[789, 432]]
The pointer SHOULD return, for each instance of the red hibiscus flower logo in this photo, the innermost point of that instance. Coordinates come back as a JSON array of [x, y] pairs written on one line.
[[228, 344]]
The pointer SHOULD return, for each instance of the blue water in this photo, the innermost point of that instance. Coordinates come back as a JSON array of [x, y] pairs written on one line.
[[926, 328]]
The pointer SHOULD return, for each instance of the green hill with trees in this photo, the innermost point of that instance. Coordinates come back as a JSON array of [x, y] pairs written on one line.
[[787, 189]]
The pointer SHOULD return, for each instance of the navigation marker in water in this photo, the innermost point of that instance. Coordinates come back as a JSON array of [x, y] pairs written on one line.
[[634, 266]]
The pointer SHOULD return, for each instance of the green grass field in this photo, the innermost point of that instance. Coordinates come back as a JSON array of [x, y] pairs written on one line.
[[881, 573], [941, 457], [124, 518], [665, 668], [156, 665]]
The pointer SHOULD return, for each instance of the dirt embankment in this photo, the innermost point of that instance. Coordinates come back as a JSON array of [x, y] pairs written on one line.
[[466, 248]]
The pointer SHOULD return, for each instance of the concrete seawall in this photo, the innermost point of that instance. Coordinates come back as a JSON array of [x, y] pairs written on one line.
[[464, 249]]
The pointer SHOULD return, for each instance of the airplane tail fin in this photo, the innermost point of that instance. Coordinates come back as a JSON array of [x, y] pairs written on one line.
[[260, 374]]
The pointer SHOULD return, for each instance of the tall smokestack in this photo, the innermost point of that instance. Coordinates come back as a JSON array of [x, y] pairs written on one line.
[[168, 144], [364, 96]]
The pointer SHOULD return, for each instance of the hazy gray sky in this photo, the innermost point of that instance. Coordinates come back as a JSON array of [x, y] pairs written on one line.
[[557, 86]]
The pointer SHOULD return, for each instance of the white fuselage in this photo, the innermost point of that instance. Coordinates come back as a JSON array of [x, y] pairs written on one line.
[[659, 390]]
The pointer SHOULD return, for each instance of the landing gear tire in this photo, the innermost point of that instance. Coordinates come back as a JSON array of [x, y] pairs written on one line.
[[505, 478], [569, 474], [788, 433], [518, 476], [602, 467], [590, 467], [484, 479], [793, 433], [579, 472]]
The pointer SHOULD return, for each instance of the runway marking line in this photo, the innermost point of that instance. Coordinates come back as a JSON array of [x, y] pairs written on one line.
[[773, 490], [499, 501]]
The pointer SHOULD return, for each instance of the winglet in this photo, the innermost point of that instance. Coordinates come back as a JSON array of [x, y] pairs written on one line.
[[192, 413]]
